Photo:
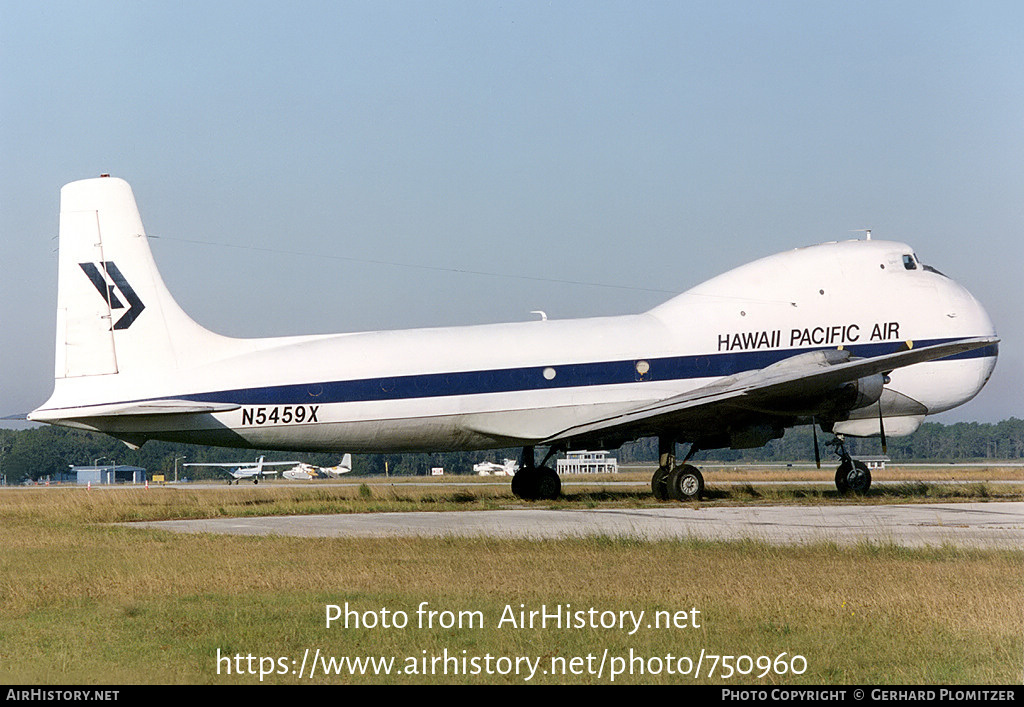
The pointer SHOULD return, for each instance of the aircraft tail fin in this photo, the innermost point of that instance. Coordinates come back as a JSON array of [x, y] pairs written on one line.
[[114, 313], [343, 467]]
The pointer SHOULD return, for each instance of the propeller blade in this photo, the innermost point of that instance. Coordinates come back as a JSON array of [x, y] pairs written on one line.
[[817, 454], [881, 428]]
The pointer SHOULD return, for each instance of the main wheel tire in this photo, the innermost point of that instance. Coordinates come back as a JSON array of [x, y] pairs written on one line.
[[659, 483], [536, 484], [524, 484], [685, 483], [549, 486], [853, 477]]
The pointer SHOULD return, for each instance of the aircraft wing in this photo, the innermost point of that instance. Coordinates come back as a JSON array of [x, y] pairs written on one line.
[[233, 465], [291, 463], [778, 387], [246, 466]]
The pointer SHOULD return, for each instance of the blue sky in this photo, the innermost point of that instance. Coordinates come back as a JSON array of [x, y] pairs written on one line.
[[295, 158]]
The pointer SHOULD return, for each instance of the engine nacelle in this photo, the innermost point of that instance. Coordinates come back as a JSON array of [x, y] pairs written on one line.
[[861, 392], [898, 426]]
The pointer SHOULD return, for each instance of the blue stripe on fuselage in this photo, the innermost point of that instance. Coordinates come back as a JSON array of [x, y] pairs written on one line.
[[532, 378]]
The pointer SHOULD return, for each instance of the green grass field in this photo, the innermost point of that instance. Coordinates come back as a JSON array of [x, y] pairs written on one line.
[[83, 601]]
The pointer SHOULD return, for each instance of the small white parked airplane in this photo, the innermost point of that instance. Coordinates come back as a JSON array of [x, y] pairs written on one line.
[[238, 472], [858, 338], [508, 468], [301, 472], [343, 467], [307, 472]]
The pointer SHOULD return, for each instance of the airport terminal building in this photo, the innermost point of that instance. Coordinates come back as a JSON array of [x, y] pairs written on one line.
[[587, 463]]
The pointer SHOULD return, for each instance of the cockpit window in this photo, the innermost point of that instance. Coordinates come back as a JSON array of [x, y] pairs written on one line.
[[909, 263]]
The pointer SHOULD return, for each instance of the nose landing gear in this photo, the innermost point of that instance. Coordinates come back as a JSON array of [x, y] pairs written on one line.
[[853, 475]]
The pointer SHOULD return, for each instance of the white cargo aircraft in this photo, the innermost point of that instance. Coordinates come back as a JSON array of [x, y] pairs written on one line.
[[238, 472], [856, 337]]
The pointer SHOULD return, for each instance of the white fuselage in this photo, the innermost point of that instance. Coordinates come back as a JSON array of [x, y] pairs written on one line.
[[503, 385]]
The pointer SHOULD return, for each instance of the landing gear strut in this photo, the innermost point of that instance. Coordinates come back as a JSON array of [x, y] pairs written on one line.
[[852, 476], [678, 483], [536, 483]]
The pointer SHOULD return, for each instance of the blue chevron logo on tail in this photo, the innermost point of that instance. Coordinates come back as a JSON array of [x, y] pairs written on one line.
[[98, 276]]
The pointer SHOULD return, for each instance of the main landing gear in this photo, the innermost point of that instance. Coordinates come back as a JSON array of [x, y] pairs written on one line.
[[852, 476], [536, 483], [678, 483]]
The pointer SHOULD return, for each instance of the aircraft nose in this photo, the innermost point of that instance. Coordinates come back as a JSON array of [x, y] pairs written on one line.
[[967, 317]]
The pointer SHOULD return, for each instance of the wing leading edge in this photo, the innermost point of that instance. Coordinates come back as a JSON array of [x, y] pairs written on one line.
[[790, 387]]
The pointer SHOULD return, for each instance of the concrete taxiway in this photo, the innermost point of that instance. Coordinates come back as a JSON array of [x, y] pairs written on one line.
[[977, 525]]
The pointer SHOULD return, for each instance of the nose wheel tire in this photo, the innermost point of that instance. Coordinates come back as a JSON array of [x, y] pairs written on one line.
[[853, 476]]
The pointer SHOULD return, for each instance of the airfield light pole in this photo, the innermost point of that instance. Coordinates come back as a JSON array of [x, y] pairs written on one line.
[[176, 459], [96, 461]]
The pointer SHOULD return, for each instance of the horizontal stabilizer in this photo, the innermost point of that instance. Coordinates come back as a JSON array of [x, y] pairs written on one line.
[[169, 407], [146, 407]]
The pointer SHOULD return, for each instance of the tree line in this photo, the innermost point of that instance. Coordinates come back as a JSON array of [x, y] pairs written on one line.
[[47, 451]]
